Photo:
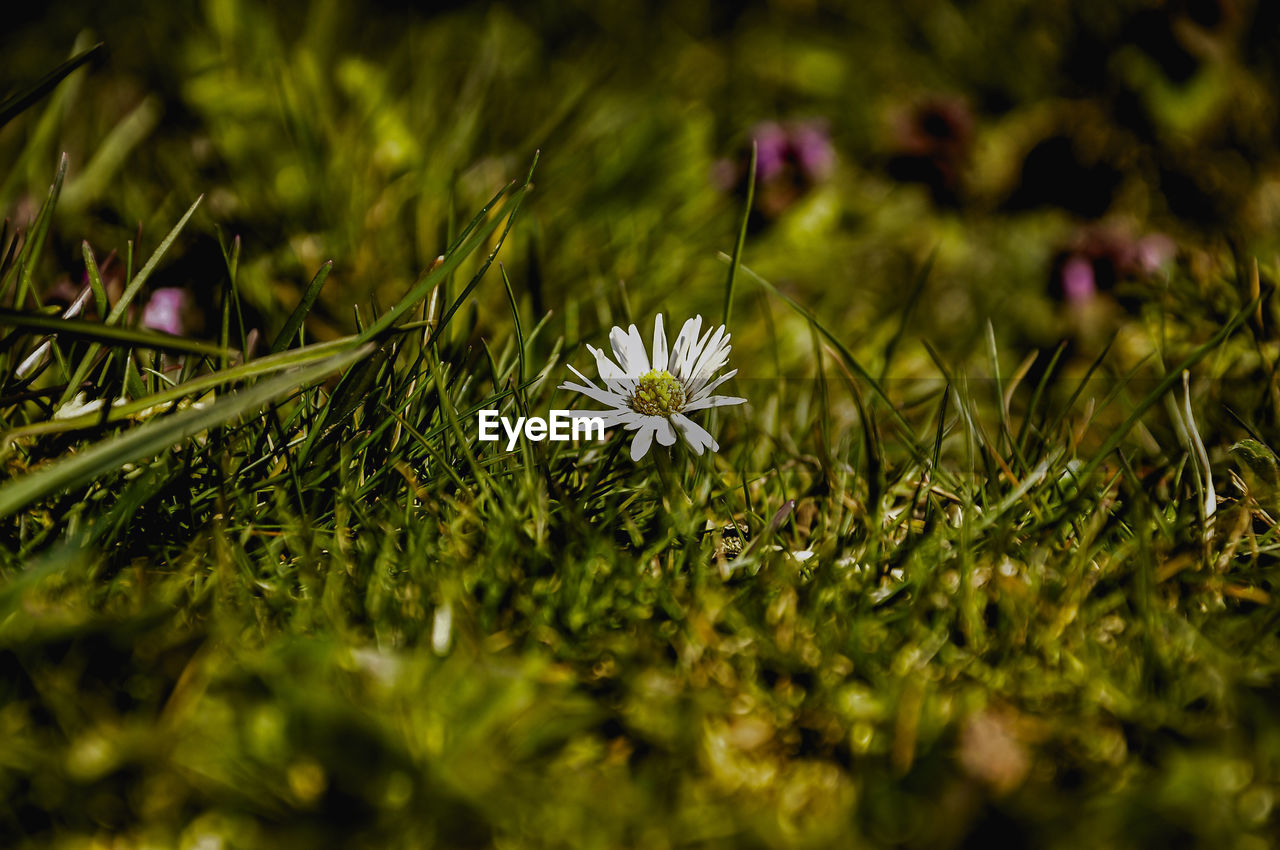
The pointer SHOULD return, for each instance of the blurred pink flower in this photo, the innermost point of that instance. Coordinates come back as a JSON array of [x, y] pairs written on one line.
[[1099, 258], [1154, 251], [791, 158], [771, 149], [166, 310], [1078, 283]]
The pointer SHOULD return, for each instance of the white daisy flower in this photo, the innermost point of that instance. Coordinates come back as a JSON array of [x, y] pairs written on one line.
[[654, 397]]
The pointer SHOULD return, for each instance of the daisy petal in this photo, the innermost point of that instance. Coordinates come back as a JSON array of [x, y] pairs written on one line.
[[613, 376], [628, 347], [698, 382], [612, 418], [618, 341], [636, 347], [694, 434], [596, 394], [693, 355], [709, 388], [685, 342], [666, 433], [627, 419], [712, 358], [641, 420], [630, 419], [701, 345], [644, 439], [713, 401], [659, 344], [607, 368], [581, 376]]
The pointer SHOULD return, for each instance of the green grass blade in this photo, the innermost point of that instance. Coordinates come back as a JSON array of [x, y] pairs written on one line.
[[100, 299], [130, 291], [20, 102], [112, 154], [299, 314], [917, 287], [441, 271], [109, 334], [252, 369], [158, 434], [850, 361], [1166, 383], [426, 283], [32, 247], [731, 282]]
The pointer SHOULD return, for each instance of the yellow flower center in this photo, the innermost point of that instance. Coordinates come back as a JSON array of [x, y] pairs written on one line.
[[658, 393]]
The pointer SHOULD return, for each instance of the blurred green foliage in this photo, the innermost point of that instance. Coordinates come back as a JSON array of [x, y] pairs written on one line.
[[325, 130]]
